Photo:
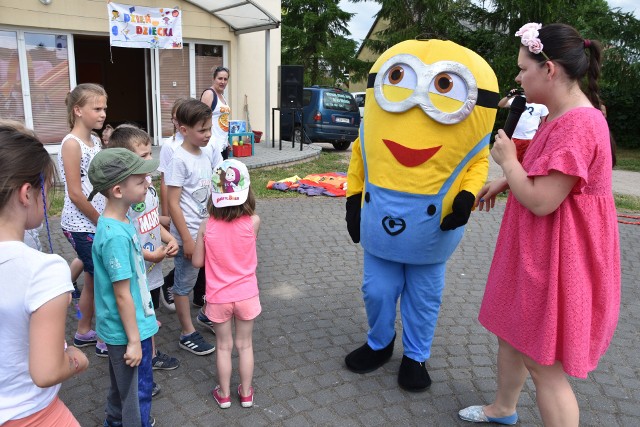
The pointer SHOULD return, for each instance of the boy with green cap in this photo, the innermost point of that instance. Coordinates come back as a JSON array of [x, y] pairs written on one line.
[[125, 319]]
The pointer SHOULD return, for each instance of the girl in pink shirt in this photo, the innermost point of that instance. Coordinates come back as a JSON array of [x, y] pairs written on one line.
[[226, 247]]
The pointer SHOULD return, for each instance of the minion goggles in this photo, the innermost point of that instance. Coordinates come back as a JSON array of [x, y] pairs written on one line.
[[447, 78]]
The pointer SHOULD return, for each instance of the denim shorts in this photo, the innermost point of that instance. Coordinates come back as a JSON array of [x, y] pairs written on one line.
[[82, 243], [185, 275]]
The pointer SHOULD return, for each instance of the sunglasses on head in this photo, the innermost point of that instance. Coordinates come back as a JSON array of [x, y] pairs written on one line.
[[221, 68]]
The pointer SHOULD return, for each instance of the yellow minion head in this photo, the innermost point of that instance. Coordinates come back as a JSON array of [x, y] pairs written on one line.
[[429, 103]]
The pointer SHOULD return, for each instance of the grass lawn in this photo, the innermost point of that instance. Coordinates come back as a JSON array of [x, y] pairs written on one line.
[[628, 160], [330, 161], [327, 162]]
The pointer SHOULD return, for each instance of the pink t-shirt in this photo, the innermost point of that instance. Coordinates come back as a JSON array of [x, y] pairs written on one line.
[[230, 260], [553, 290]]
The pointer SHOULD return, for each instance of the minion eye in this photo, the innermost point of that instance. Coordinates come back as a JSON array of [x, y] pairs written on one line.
[[396, 74], [443, 83], [449, 85], [401, 75]]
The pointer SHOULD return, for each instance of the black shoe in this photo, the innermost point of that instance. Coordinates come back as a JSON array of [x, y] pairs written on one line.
[[198, 301], [364, 359], [166, 297], [168, 279], [199, 289], [413, 376]]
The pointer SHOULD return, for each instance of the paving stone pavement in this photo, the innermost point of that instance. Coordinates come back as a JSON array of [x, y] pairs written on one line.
[[309, 274]]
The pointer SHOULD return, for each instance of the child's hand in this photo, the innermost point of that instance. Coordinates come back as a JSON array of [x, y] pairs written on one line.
[[172, 248], [133, 355], [77, 360], [188, 247], [157, 255]]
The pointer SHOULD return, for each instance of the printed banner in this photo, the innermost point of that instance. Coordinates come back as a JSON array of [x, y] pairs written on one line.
[[147, 27]]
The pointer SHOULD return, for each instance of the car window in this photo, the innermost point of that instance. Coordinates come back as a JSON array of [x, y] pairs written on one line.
[[306, 97], [341, 101], [360, 99]]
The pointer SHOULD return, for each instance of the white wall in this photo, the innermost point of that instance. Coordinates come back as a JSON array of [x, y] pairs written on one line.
[[249, 72], [246, 56]]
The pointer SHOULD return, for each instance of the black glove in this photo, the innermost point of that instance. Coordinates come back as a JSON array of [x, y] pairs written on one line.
[[353, 216], [462, 205]]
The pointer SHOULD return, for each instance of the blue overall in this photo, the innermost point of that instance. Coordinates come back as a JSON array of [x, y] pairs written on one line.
[[405, 255]]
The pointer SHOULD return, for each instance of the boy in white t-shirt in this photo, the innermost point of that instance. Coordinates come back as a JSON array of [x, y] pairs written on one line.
[[188, 191], [169, 146]]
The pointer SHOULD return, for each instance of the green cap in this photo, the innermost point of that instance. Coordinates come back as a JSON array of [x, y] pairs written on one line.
[[113, 165]]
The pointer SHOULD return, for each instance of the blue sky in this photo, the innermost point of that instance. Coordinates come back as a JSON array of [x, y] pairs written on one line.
[[365, 12]]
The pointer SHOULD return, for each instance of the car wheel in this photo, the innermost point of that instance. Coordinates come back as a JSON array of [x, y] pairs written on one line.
[[341, 145], [297, 135]]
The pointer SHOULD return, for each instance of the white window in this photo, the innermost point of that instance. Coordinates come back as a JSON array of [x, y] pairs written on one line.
[[34, 71], [11, 104], [176, 78], [48, 69]]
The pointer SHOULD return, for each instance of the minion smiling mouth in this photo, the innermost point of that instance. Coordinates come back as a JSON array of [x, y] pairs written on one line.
[[410, 157]]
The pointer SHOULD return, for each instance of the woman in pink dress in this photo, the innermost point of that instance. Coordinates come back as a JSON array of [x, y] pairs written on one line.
[[553, 292]]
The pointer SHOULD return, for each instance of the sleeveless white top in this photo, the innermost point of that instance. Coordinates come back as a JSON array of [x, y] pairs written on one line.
[[72, 218], [220, 124]]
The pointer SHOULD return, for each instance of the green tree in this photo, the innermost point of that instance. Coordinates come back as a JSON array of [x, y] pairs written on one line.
[[408, 19], [488, 27], [493, 37], [314, 35]]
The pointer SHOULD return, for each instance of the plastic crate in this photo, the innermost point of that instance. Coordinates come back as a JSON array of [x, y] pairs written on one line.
[[242, 150]]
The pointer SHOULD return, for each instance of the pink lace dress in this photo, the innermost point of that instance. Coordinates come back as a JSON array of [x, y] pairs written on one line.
[[553, 290]]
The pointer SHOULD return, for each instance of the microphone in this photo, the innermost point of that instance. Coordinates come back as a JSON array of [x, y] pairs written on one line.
[[518, 105]]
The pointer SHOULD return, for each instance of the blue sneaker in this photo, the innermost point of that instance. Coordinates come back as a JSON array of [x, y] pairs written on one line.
[[164, 361], [101, 350], [196, 344], [85, 340], [152, 423], [156, 389], [204, 321]]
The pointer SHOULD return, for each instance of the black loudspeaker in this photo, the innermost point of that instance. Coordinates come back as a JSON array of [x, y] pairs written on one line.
[[290, 83]]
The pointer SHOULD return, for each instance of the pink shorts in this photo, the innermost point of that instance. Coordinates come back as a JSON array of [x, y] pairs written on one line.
[[56, 414], [247, 309]]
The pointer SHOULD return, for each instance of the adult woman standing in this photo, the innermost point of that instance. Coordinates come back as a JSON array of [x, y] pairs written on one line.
[[553, 292], [214, 97]]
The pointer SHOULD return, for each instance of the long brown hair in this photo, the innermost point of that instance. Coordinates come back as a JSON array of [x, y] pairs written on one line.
[[24, 160], [229, 213]]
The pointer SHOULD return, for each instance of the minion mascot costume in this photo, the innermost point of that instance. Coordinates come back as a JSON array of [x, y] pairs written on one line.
[[421, 156]]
